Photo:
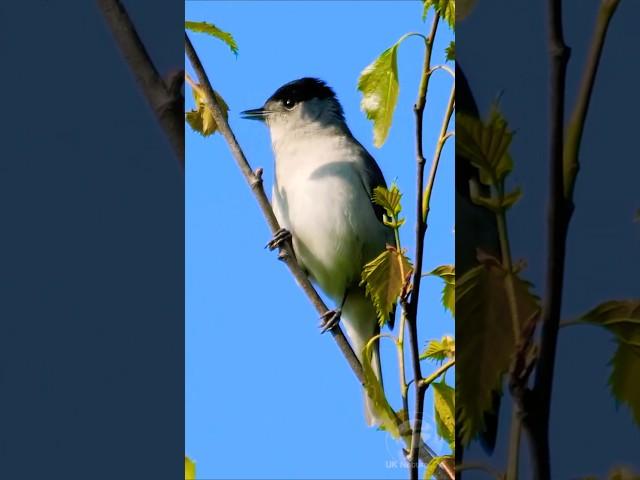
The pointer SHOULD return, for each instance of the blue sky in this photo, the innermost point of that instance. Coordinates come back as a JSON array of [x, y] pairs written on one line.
[[266, 395]]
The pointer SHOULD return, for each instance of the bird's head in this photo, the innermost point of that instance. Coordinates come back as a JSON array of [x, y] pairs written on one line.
[[303, 103]]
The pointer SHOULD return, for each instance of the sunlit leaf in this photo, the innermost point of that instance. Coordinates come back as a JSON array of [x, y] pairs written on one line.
[[485, 337], [448, 274], [379, 86], [439, 350], [485, 144], [378, 401], [445, 8], [388, 199], [622, 317], [211, 29], [444, 403], [384, 278], [433, 464], [201, 119], [625, 377], [451, 51], [189, 469]]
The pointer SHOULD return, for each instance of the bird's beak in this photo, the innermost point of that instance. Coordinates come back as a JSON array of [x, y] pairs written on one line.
[[255, 114]]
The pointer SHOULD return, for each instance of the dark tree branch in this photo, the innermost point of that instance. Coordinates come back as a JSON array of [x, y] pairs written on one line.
[[536, 411], [563, 158], [164, 98], [411, 307]]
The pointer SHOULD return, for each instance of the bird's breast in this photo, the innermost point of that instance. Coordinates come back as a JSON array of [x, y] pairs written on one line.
[[320, 198]]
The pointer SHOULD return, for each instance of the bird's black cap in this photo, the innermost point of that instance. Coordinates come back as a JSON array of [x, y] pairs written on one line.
[[303, 89]]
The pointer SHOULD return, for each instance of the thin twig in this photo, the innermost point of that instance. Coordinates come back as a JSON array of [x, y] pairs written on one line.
[[575, 127], [424, 384], [167, 103], [412, 307]]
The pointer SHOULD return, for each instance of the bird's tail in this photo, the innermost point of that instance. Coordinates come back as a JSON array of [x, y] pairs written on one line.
[[360, 321]]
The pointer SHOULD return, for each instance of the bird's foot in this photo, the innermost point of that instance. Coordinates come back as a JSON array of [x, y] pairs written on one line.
[[330, 320], [278, 239]]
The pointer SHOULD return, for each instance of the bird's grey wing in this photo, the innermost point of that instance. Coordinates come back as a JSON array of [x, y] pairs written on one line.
[[372, 177]]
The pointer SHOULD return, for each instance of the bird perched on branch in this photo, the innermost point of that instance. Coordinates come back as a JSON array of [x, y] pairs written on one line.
[[324, 181]]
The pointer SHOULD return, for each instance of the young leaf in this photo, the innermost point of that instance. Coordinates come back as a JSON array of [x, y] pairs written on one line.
[[433, 464], [201, 120], [382, 410], [211, 29], [621, 317], [384, 278], [624, 379], [451, 51], [379, 86], [388, 199], [189, 469], [448, 274], [486, 144], [445, 8], [444, 402], [486, 338], [439, 350]]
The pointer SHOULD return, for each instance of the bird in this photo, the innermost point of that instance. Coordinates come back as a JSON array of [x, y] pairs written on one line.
[[322, 198]]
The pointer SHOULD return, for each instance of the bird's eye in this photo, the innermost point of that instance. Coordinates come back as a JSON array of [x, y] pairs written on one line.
[[289, 104]]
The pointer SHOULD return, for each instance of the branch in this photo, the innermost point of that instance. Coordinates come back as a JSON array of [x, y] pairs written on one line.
[[576, 124], [412, 307], [164, 97], [563, 172], [536, 413]]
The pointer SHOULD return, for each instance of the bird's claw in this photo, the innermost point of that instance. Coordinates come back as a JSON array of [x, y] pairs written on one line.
[[278, 239], [330, 320]]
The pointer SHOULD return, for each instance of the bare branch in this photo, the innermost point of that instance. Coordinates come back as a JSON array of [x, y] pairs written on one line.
[[164, 98], [536, 422]]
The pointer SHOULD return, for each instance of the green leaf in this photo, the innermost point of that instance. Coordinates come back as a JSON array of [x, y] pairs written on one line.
[[388, 199], [444, 402], [384, 279], [624, 379], [381, 408], [189, 469], [445, 8], [433, 464], [378, 83], [621, 317], [201, 120], [439, 350], [448, 274], [451, 51], [486, 338], [211, 29], [486, 144]]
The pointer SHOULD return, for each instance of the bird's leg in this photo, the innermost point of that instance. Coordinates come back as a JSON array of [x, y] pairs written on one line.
[[278, 239], [332, 317]]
